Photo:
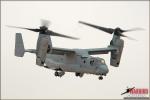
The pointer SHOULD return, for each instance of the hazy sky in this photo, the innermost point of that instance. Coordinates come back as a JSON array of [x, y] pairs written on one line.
[[22, 79]]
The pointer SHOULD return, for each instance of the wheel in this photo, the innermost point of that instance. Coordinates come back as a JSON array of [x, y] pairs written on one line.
[[61, 73], [77, 74], [56, 73], [100, 78], [81, 74], [46, 66]]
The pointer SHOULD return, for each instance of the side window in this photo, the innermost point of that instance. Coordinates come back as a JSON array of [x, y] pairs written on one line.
[[83, 60], [91, 61]]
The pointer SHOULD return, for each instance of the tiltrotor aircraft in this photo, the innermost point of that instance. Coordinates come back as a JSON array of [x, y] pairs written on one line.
[[78, 61]]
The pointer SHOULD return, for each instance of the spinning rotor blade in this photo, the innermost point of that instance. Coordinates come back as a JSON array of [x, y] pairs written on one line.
[[60, 35], [34, 30], [45, 23], [48, 32], [133, 29], [108, 30], [117, 31], [127, 37]]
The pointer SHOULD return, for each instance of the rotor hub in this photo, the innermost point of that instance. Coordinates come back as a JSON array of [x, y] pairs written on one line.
[[43, 28]]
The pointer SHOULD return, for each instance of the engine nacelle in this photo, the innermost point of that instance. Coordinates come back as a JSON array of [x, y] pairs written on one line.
[[116, 55], [43, 47]]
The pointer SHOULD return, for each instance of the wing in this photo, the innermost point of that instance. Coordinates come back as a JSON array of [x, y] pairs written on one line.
[[93, 51], [62, 51], [96, 51]]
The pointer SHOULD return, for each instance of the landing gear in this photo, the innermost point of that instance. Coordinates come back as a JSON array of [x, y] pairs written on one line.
[[56, 74], [79, 74], [59, 73], [46, 67], [100, 78]]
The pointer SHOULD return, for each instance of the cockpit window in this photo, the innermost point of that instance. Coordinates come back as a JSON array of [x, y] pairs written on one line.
[[102, 61], [83, 61], [92, 62]]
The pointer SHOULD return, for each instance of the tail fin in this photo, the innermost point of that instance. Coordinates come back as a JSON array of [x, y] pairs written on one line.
[[19, 46]]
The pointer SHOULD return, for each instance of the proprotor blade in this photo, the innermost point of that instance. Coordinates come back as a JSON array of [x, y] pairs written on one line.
[[117, 31], [34, 30], [45, 22], [133, 29], [60, 35], [108, 30], [48, 32], [127, 36]]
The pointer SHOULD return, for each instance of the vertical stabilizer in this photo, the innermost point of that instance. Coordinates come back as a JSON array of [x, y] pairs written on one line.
[[19, 46]]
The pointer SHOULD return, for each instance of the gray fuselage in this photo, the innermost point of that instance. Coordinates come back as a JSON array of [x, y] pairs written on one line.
[[78, 64]]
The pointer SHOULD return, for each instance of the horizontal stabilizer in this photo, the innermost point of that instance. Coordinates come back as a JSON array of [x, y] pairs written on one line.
[[19, 46]]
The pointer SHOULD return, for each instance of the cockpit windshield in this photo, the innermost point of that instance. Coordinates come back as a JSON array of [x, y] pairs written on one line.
[[102, 61]]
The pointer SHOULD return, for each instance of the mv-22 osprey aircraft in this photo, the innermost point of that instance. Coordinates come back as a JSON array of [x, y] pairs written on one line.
[[78, 61]]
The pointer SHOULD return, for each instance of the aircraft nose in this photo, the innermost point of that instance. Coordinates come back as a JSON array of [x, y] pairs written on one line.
[[105, 69]]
